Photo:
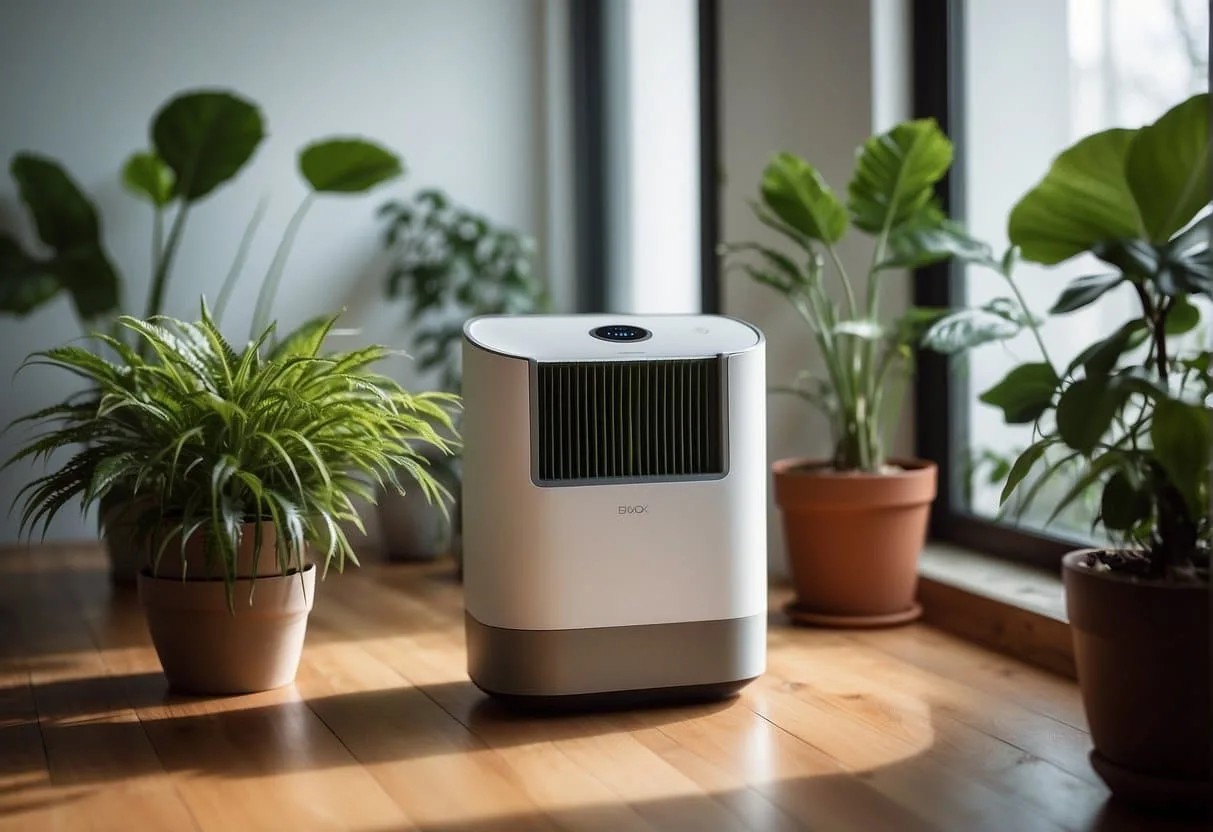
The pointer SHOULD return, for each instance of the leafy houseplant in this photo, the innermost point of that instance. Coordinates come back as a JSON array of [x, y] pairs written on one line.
[[199, 141], [449, 264], [251, 458], [1132, 409], [854, 523]]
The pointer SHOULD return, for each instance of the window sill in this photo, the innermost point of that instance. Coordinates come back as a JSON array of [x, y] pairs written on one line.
[[1009, 607]]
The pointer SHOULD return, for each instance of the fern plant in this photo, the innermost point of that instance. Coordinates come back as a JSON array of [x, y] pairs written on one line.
[[219, 437]]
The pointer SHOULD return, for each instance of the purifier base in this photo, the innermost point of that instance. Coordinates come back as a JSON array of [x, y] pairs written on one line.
[[619, 700], [605, 667]]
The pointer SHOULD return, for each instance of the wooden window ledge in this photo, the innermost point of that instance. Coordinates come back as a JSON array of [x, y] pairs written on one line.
[[1015, 609]]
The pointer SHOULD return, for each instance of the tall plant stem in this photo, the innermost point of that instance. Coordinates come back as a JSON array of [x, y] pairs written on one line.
[[269, 288], [246, 241], [1029, 319], [164, 265], [157, 235], [842, 276]]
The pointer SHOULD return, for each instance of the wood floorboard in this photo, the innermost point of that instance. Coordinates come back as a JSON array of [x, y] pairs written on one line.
[[904, 729]]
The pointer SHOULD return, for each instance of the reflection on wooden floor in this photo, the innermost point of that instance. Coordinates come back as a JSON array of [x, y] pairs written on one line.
[[893, 730]]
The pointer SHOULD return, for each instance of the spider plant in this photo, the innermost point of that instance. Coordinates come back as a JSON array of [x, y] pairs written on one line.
[[220, 438]]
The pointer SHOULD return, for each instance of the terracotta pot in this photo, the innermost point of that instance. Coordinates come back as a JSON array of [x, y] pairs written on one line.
[[853, 540], [1142, 651], [208, 648], [410, 527], [194, 566]]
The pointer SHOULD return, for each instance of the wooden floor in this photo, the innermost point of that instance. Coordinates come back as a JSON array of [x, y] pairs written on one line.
[[903, 729]]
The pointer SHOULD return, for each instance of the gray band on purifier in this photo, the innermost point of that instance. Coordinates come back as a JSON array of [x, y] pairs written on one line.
[[609, 659]]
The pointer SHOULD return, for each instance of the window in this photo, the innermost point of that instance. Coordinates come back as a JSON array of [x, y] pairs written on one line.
[[1014, 84]]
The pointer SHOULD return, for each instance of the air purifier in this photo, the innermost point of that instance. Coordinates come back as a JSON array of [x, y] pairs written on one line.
[[614, 507]]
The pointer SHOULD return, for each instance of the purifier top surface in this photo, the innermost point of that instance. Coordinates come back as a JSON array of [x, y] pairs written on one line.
[[611, 337]]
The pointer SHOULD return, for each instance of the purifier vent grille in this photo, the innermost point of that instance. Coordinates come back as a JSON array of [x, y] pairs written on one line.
[[629, 420]]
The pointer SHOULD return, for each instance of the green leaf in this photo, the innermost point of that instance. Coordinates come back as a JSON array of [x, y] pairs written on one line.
[[1083, 199], [1182, 317], [304, 341], [1124, 503], [90, 278], [1023, 466], [63, 215], [67, 222], [1085, 290], [1085, 412], [347, 165], [25, 284], [933, 239], [1179, 433], [795, 192], [206, 138], [1094, 471], [1100, 358], [146, 175], [896, 174], [1167, 168], [964, 329], [1024, 394], [916, 321]]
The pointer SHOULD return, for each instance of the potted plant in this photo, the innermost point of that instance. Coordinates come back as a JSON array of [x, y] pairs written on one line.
[[1132, 408], [200, 140], [449, 264], [251, 458], [854, 523]]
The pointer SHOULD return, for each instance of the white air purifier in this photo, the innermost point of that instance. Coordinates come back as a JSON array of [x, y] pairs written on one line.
[[614, 507]]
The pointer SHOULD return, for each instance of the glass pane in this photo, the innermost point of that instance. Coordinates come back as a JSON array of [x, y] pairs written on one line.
[[1038, 75]]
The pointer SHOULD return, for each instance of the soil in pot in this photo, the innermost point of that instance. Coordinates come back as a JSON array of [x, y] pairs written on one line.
[[1142, 649], [853, 540], [206, 647]]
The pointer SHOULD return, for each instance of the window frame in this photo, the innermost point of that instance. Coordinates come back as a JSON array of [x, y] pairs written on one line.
[[588, 47], [937, 46]]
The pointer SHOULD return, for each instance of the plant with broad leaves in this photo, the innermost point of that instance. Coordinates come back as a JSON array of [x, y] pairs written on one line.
[[891, 198], [453, 264], [200, 140], [1131, 407], [219, 437]]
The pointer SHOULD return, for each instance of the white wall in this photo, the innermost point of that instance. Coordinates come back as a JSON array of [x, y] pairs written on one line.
[[456, 87], [802, 75]]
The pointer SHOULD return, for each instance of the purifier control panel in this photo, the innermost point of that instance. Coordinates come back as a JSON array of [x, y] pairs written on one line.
[[621, 332]]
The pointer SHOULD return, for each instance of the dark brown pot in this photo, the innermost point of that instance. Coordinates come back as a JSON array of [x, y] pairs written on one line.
[[853, 540], [1142, 652], [206, 647], [124, 547]]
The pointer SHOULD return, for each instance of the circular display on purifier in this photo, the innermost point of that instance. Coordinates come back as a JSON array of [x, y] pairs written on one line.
[[621, 332]]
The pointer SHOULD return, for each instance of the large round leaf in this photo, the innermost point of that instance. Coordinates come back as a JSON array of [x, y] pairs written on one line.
[[24, 282], [67, 222], [1083, 199], [347, 165], [63, 215], [145, 175], [1024, 394], [206, 138], [1179, 433], [90, 278], [1168, 168], [896, 174], [797, 195]]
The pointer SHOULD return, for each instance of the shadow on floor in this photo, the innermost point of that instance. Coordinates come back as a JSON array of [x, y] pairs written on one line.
[[279, 732]]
